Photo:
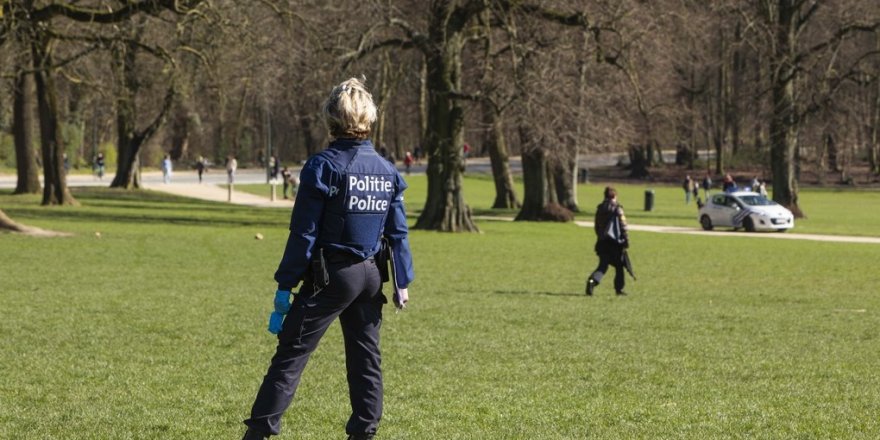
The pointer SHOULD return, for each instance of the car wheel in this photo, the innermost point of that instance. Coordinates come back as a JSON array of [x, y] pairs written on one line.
[[749, 224], [706, 223]]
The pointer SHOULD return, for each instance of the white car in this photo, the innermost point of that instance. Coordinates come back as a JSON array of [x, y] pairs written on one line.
[[744, 209]]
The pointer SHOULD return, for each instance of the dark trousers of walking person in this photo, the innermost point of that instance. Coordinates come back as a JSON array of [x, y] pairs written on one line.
[[354, 295], [610, 254]]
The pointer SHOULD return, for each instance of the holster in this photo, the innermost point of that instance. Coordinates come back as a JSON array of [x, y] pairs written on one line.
[[320, 276], [382, 259]]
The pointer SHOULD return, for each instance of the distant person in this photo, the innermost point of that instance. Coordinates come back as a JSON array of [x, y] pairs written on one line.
[[285, 177], [408, 162], [611, 242], [231, 166], [688, 186], [66, 163], [695, 187], [728, 184], [166, 169], [349, 201], [98, 166], [201, 167], [417, 154], [707, 185], [755, 184], [762, 189], [273, 167]]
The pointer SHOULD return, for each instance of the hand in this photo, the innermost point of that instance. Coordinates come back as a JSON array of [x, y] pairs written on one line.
[[401, 297], [282, 301], [276, 320]]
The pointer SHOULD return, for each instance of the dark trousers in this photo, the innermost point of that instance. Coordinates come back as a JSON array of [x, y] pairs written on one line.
[[609, 255], [354, 295]]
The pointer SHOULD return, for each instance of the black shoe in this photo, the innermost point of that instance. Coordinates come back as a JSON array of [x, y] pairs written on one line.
[[591, 284], [250, 434], [621, 293], [361, 436]]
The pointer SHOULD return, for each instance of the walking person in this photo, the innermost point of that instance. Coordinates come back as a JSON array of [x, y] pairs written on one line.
[[285, 180], [231, 166], [707, 185], [201, 167], [408, 162], [688, 186], [612, 242], [166, 169], [349, 199], [99, 166]]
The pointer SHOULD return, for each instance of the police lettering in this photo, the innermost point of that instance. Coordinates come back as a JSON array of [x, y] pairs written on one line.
[[369, 193], [369, 203]]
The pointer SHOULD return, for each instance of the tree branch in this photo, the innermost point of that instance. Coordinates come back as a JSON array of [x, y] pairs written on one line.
[[90, 15], [839, 36]]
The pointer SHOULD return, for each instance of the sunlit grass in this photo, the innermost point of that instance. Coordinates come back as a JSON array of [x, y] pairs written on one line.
[[157, 330]]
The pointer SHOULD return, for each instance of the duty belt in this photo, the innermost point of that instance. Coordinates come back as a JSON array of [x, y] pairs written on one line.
[[334, 256]]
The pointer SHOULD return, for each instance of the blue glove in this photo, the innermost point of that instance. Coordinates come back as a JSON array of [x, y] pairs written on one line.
[[282, 301], [276, 319]]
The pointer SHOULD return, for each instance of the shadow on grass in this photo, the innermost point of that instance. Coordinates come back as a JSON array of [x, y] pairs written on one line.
[[522, 292], [148, 207]]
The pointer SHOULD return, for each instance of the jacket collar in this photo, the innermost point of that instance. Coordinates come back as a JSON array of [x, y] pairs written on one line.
[[351, 143]]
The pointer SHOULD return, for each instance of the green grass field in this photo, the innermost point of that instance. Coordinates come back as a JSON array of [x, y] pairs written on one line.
[[156, 330]]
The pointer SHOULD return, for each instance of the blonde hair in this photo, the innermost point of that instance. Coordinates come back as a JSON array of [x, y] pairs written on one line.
[[349, 110]]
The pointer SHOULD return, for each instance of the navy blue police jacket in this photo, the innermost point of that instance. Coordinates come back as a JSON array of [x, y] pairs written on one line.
[[348, 199]]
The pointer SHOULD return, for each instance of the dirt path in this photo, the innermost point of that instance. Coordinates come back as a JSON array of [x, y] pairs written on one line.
[[206, 191], [722, 233]]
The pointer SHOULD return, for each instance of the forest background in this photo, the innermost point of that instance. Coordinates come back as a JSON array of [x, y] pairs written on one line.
[[788, 89]]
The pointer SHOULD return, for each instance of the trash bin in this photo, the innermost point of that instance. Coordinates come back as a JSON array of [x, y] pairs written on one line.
[[649, 200]]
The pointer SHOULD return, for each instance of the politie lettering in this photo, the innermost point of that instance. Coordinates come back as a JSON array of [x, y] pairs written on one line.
[[369, 183]]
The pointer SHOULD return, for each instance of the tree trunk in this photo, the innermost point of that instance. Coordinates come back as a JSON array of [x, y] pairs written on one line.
[[127, 159], [22, 132], [423, 103], [721, 103], [534, 164], [638, 162], [383, 97], [564, 175], [496, 144], [783, 121], [55, 191], [8, 224], [129, 138], [445, 208], [180, 131], [539, 203], [874, 147], [735, 85]]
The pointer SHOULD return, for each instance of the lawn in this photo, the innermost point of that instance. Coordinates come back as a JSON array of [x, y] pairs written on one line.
[[156, 330], [829, 211]]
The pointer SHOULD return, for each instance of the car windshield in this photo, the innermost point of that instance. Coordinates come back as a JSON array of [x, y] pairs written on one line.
[[757, 200]]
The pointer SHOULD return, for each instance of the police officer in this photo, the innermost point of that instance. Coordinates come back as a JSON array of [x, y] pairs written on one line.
[[612, 240], [349, 199]]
